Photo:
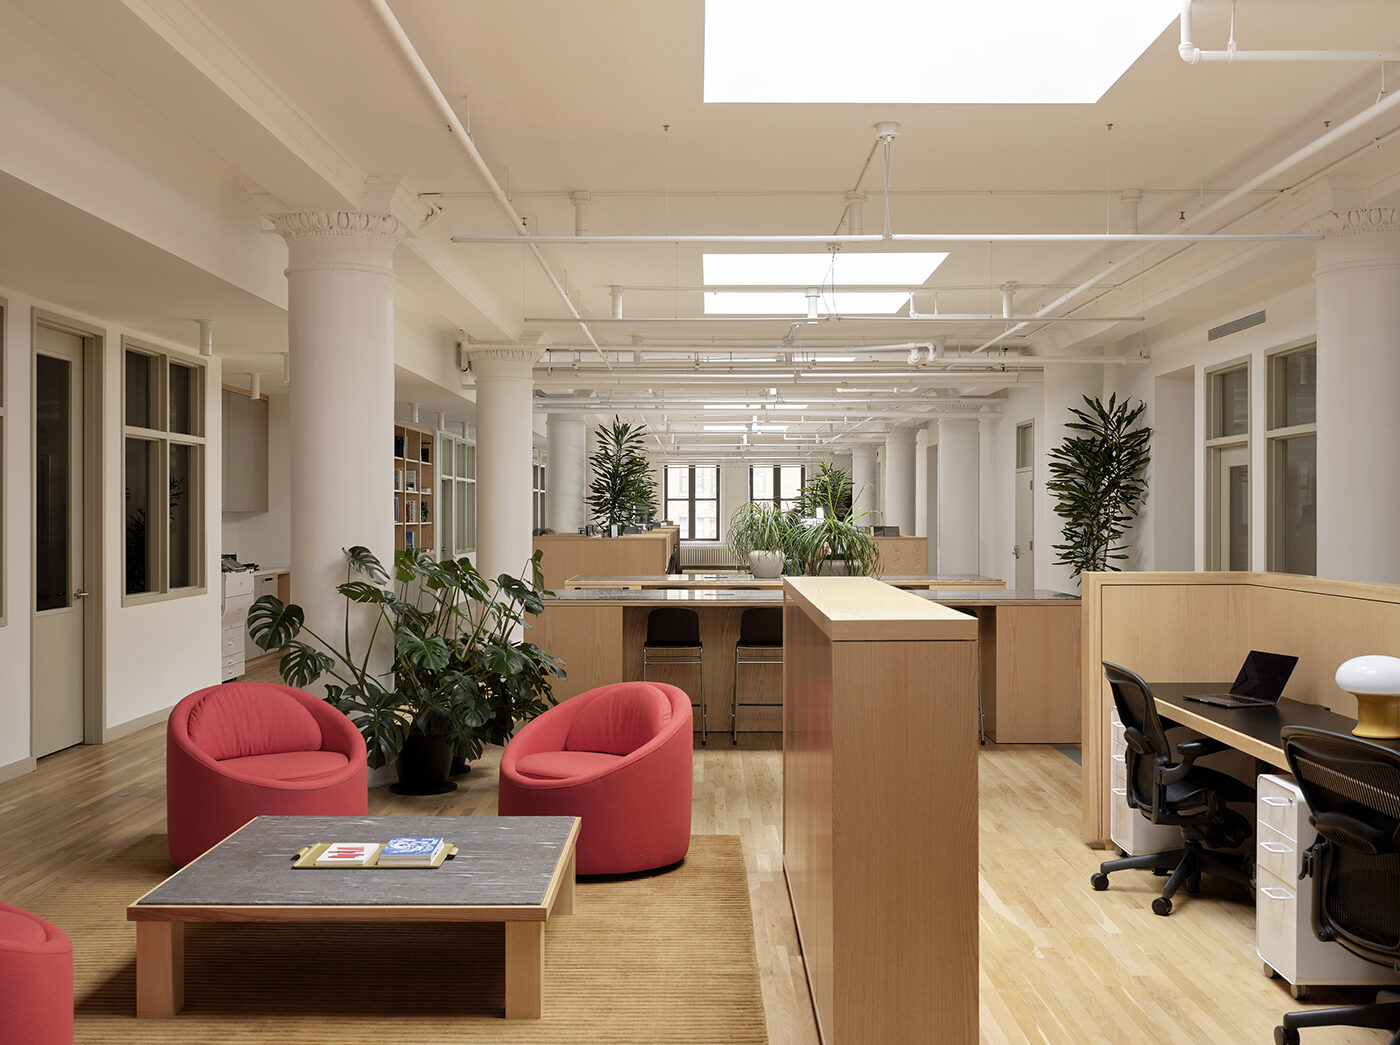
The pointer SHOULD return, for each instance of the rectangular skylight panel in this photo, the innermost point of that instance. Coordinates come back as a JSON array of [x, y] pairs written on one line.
[[925, 51], [794, 303], [815, 270]]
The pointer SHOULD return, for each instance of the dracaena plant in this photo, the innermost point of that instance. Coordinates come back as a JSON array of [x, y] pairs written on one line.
[[1098, 480], [461, 667], [622, 489]]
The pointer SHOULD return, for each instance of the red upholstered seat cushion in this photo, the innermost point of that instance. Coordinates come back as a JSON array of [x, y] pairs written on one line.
[[237, 720], [16, 928], [565, 765], [288, 765], [621, 720]]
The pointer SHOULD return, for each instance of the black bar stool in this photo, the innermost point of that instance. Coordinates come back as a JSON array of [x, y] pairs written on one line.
[[760, 631], [673, 637]]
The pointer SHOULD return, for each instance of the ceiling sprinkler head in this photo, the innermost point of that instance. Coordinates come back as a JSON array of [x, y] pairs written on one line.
[[887, 130]]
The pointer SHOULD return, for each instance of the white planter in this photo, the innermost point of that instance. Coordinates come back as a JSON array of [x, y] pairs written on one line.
[[766, 564]]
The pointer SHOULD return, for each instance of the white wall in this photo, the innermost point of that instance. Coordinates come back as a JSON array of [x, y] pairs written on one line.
[[154, 653], [266, 537]]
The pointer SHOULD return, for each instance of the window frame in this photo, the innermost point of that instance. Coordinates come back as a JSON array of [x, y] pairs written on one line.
[[1215, 449], [777, 499], [690, 500], [538, 490], [163, 438], [1277, 436], [455, 478]]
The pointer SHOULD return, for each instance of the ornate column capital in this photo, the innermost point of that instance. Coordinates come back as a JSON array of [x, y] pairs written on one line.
[[316, 224], [1356, 221], [503, 362]]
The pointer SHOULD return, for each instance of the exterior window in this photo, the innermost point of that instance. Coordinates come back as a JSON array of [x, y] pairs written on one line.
[[162, 472], [1227, 469], [538, 497], [1292, 447], [457, 488], [692, 500], [777, 484]]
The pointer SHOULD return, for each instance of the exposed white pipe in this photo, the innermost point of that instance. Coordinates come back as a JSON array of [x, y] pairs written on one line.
[[255, 385], [1283, 166], [1130, 199], [1193, 55], [909, 237], [855, 213], [459, 132], [206, 337], [616, 302], [580, 200], [918, 317], [1008, 292]]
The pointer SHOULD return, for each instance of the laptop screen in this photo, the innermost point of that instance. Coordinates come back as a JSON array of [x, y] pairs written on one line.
[[1264, 675]]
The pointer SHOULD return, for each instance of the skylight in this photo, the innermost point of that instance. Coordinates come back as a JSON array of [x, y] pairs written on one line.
[[794, 303], [925, 51], [821, 271]]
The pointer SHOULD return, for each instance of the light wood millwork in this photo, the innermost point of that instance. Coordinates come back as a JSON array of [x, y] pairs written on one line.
[[1030, 691], [570, 554], [880, 809], [587, 638], [160, 969], [903, 554], [1192, 626], [524, 970]]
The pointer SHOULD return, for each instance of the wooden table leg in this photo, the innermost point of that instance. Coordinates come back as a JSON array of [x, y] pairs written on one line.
[[564, 902], [524, 969], [160, 969]]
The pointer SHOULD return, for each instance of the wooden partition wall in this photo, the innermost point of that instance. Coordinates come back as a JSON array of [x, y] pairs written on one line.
[[1198, 627], [880, 809], [569, 554], [903, 554]]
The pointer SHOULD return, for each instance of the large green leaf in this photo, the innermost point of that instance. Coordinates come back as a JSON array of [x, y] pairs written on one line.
[[362, 560], [271, 624], [303, 664]]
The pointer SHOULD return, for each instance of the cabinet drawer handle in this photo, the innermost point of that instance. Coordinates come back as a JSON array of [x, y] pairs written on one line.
[[1271, 800], [1276, 847], [1274, 893]]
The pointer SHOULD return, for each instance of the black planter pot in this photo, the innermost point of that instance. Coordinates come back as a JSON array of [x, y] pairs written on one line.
[[423, 766]]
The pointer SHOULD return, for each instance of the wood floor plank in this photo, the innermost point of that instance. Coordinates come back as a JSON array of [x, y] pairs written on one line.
[[1059, 962]]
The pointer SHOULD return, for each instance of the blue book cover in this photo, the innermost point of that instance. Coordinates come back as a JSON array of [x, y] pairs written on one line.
[[403, 847]]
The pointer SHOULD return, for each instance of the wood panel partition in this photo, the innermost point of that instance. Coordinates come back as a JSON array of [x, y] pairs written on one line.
[[569, 554], [880, 809], [903, 554], [1198, 627]]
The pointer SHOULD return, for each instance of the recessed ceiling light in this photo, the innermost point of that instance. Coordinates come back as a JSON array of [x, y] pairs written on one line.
[[925, 51]]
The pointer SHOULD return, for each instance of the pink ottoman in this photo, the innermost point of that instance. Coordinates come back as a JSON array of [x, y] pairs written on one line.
[[36, 979]]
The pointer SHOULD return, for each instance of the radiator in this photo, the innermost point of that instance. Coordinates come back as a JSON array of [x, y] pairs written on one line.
[[706, 553]]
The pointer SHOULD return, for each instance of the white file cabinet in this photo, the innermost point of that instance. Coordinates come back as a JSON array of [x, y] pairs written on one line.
[[1283, 910], [238, 596], [1130, 830]]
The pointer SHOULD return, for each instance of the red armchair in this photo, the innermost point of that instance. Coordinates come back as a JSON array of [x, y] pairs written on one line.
[[247, 749], [620, 758], [36, 980]]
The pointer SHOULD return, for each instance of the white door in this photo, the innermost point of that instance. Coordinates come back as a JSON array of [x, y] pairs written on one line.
[[1025, 530], [57, 684]]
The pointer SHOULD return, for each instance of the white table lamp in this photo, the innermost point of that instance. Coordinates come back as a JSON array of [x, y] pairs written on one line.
[[1375, 682]]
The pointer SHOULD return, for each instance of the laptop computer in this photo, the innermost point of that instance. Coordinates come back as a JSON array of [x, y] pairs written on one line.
[[1259, 684]]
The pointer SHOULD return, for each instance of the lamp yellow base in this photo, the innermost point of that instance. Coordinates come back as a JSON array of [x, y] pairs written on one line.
[[1377, 715]]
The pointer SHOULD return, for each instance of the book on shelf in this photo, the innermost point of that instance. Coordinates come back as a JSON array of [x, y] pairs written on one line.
[[398, 478], [348, 854], [425, 512], [398, 446], [411, 479], [426, 453], [408, 511], [411, 852], [398, 511], [408, 539]]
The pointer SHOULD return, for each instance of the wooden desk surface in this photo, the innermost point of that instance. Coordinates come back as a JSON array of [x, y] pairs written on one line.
[[864, 609], [1255, 731], [955, 581]]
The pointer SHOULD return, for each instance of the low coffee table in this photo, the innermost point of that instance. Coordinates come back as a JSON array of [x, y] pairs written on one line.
[[512, 869]]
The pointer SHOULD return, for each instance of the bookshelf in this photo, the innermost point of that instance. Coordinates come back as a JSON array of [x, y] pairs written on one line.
[[415, 506]]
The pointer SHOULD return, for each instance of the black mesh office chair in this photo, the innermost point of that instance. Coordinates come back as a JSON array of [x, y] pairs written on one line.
[[673, 564], [1172, 789], [673, 637], [1352, 787], [760, 635]]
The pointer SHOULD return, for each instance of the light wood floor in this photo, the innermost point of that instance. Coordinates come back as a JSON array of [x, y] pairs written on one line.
[[1059, 963]]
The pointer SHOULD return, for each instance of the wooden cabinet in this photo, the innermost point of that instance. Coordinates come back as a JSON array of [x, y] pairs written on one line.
[[415, 506], [245, 452]]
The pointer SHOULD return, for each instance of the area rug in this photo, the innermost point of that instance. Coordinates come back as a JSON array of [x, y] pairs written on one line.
[[664, 958]]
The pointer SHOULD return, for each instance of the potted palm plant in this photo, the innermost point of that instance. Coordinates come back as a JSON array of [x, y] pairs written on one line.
[[758, 534], [622, 490], [461, 676], [827, 536]]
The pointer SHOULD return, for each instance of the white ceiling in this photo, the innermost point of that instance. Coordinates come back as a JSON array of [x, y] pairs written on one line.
[[303, 101]]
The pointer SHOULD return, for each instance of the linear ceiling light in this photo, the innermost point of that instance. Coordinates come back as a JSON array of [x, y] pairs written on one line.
[[926, 51]]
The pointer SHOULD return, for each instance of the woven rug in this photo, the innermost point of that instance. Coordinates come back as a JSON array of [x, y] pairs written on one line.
[[654, 959]]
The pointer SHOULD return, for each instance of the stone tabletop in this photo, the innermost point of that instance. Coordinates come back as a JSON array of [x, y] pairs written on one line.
[[500, 861]]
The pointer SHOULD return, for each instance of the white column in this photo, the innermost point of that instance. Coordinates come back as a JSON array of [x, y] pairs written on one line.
[[568, 470], [899, 479], [991, 520], [590, 447], [504, 477], [1358, 414], [921, 445], [863, 481], [340, 325], [958, 496]]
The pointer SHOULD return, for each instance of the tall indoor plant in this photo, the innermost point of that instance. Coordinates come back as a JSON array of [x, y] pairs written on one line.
[[827, 536], [623, 490], [1099, 483], [462, 676], [758, 534]]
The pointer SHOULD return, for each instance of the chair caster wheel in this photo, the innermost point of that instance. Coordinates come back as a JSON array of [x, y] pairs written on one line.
[[1285, 1036], [1162, 906], [1300, 991], [1269, 972], [1099, 881]]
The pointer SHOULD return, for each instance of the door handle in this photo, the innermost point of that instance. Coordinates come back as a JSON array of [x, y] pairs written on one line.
[[80, 594], [1015, 551]]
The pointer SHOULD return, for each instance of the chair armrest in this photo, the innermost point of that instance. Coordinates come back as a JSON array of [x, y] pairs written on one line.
[[1194, 749]]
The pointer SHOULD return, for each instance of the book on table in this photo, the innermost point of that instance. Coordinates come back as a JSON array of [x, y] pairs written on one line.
[[411, 852], [348, 854]]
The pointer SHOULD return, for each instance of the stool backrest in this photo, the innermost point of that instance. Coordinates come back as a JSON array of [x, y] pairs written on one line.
[[673, 627], [761, 626]]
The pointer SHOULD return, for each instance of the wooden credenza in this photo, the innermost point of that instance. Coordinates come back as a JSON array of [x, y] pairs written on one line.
[[880, 809]]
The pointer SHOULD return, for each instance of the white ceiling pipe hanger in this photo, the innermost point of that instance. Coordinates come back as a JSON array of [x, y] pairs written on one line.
[[459, 132], [1193, 55]]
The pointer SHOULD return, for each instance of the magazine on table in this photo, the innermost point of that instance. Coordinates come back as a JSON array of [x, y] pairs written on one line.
[[411, 852]]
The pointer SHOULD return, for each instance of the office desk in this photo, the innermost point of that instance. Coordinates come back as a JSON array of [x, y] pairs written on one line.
[[640, 581]]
